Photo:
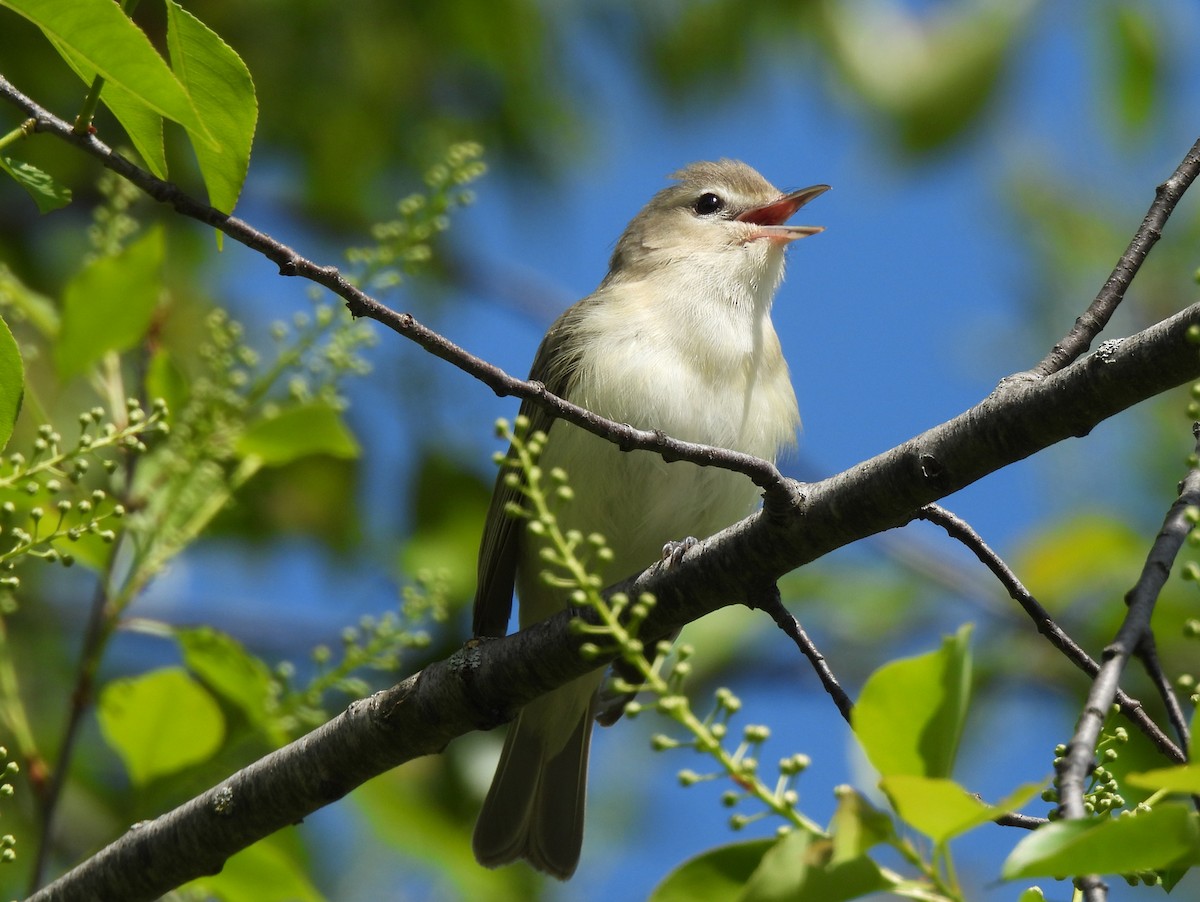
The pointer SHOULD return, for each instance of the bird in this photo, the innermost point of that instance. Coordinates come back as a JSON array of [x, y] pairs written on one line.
[[678, 338]]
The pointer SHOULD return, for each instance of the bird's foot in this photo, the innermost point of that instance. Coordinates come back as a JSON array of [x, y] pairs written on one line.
[[673, 552]]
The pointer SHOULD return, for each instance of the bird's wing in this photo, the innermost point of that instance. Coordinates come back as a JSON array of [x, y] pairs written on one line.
[[500, 547]]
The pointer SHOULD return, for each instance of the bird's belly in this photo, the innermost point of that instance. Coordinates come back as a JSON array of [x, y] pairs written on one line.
[[637, 501]]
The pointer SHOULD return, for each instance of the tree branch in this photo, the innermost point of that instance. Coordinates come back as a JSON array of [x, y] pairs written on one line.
[[487, 682], [959, 529], [1077, 341]]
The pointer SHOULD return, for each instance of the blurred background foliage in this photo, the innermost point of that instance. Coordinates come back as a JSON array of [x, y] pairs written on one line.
[[356, 102]]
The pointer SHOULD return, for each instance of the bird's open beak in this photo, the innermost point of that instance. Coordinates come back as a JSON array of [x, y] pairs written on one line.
[[772, 216]]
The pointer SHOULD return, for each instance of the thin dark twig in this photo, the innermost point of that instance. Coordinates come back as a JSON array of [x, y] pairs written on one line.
[[763, 473], [959, 529], [1147, 653], [768, 599], [1077, 341]]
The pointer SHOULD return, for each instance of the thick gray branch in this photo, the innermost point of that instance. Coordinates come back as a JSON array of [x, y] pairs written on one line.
[[486, 683]]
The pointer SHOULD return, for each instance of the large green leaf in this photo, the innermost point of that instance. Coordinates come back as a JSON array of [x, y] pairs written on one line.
[[141, 123], [12, 383], [799, 868], [48, 194], [226, 668], [221, 88], [108, 305], [296, 432], [100, 34], [1164, 836], [857, 825], [719, 873], [910, 713], [160, 723], [941, 809], [1181, 778]]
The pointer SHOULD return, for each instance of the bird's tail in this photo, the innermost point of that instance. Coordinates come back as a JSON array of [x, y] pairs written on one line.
[[534, 809]]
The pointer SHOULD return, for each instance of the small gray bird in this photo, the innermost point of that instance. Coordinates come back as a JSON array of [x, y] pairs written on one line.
[[678, 337]]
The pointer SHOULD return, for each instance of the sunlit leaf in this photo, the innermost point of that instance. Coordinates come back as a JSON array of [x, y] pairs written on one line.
[[715, 874], [857, 825], [103, 37], [142, 124], [799, 868], [225, 667], [220, 86], [1164, 836], [910, 713], [160, 723], [941, 809], [1182, 778], [295, 432]]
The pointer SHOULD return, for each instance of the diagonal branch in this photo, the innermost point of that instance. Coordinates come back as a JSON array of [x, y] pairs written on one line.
[[1077, 341], [291, 263]]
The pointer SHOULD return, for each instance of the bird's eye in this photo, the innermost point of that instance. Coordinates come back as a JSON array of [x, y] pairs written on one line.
[[708, 203]]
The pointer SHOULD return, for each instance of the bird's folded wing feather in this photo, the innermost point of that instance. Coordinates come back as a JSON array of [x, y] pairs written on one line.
[[499, 550]]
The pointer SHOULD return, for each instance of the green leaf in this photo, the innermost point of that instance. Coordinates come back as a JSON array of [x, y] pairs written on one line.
[[1181, 778], [941, 809], [221, 88], [160, 723], [296, 432], [1166, 835], [265, 872], [109, 304], [910, 713], [48, 194], [799, 868], [719, 873], [141, 123], [857, 825], [12, 383], [106, 40], [222, 664]]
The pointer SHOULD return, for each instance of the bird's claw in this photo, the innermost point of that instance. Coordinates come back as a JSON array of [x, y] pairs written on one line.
[[673, 552]]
